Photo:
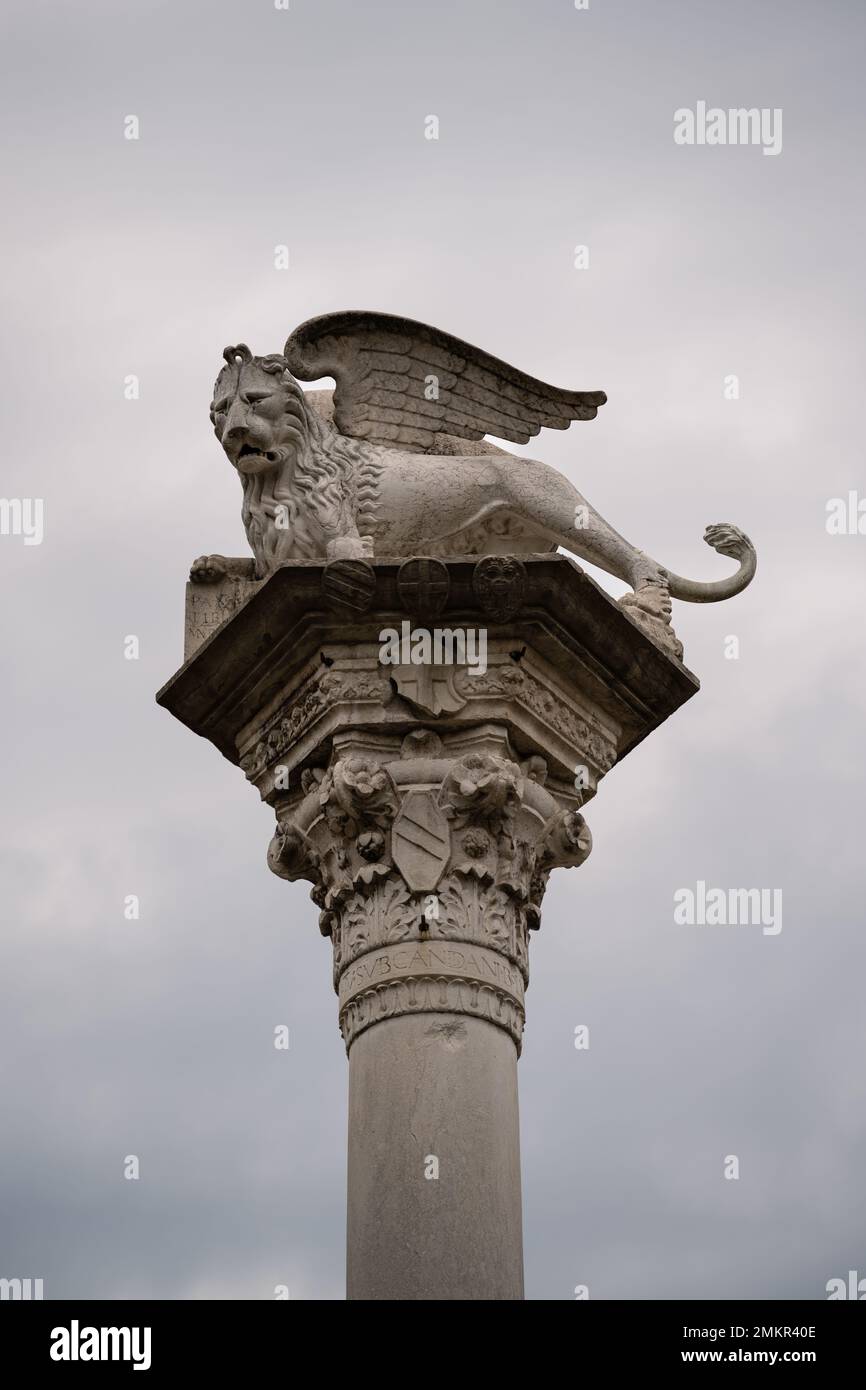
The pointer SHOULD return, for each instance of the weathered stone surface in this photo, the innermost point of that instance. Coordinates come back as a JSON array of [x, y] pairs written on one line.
[[434, 1087], [433, 827], [432, 978], [570, 672], [208, 606]]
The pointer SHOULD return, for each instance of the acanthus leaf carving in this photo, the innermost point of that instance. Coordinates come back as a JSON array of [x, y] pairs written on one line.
[[477, 912], [382, 915]]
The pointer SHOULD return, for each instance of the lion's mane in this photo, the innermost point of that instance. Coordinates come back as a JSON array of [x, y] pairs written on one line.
[[292, 515]]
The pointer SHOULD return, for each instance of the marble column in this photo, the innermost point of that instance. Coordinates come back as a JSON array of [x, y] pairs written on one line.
[[427, 802]]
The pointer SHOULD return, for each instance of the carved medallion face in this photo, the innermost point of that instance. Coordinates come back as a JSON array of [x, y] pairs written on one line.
[[257, 414], [499, 582]]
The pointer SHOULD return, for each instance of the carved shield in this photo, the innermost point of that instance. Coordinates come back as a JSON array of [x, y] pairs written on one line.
[[420, 842], [430, 689], [349, 584], [499, 584], [423, 586]]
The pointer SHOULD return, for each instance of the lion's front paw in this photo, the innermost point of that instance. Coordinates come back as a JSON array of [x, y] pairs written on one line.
[[728, 540], [207, 569], [350, 548]]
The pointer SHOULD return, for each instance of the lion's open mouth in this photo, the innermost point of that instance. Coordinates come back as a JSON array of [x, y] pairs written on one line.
[[252, 460], [249, 452]]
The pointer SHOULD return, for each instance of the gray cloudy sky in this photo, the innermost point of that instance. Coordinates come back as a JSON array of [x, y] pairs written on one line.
[[260, 127]]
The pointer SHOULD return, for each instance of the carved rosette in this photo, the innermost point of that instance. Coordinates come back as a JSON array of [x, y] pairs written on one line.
[[429, 872]]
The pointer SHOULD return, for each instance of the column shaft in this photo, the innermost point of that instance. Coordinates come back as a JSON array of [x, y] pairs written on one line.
[[434, 1207]]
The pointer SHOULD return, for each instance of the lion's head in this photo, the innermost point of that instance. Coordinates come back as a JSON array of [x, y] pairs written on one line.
[[294, 467]]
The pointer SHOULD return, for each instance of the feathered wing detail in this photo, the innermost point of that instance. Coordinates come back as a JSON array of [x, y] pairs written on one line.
[[401, 383]]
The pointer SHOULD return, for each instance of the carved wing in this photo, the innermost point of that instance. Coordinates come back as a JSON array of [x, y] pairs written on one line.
[[399, 382]]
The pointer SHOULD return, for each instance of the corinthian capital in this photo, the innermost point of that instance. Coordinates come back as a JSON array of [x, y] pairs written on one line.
[[433, 845]]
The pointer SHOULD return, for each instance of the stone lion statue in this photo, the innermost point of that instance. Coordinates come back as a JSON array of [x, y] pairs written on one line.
[[395, 460]]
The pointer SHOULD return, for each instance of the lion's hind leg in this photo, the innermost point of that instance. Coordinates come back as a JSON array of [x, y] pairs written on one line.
[[557, 508], [560, 510]]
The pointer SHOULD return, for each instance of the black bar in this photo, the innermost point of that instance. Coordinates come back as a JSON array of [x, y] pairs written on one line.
[[221, 1338]]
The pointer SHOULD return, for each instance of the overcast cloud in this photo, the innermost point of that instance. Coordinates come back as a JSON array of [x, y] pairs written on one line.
[[306, 128]]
